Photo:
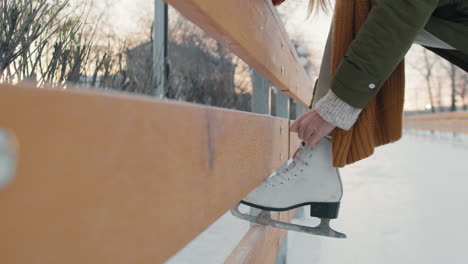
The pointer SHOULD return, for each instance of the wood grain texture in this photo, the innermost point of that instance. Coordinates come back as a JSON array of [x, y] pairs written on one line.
[[253, 30], [447, 115], [262, 244], [294, 142], [456, 122], [123, 179]]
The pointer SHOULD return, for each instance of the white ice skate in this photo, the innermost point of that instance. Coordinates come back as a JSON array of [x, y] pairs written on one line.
[[308, 179]]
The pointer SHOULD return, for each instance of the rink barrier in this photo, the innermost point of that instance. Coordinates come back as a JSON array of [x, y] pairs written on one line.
[[121, 178], [253, 30], [114, 178], [455, 122], [262, 244]]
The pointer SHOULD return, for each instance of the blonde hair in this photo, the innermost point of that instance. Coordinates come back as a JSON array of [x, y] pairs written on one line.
[[315, 4]]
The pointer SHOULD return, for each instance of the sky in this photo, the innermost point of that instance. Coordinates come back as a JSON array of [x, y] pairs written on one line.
[[128, 18]]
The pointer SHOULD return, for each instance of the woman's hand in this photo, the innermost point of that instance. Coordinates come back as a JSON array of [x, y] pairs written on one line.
[[311, 127], [277, 2]]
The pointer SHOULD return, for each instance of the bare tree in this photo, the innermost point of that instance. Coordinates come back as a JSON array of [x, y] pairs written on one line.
[[53, 43], [453, 82], [47, 42], [452, 72], [203, 71], [23, 22], [439, 93], [463, 90], [426, 70]]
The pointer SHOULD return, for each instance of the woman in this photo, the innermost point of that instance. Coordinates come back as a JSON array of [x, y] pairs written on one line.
[[386, 35]]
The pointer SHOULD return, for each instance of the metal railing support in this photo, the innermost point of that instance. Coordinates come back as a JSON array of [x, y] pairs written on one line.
[[300, 109], [261, 94], [282, 104], [159, 47], [261, 103]]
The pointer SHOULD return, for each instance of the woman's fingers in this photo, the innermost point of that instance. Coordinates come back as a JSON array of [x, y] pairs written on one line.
[[300, 134], [295, 126], [312, 133], [309, 127], [313, 140], [295, 153], [323, 131], [305, 130], [310, 140]]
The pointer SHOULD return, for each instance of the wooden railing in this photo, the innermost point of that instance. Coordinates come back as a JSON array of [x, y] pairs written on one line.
[[119, 178], [252, 29], [455, 122]]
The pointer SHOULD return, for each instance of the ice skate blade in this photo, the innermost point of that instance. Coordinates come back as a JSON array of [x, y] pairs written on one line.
[[264, 218]]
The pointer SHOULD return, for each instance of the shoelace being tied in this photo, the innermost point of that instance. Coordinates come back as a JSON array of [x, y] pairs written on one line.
[[290, 171]]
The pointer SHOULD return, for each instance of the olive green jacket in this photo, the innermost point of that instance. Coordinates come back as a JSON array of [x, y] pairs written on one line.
[[387, 35]]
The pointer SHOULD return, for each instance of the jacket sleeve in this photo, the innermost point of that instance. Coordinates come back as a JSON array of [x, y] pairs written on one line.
[[381, 43]]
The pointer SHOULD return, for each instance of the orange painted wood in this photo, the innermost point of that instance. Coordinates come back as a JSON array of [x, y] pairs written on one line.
[[113, 178], [446, 122], [294, 142], [253, 30], [456, 122], [441, 129], [446, 115], [261, 244]]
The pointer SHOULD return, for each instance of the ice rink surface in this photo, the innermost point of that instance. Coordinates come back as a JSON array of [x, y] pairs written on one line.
[[408, 203]]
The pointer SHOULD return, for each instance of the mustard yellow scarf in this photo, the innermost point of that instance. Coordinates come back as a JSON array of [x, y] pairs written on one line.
[[381, 120]]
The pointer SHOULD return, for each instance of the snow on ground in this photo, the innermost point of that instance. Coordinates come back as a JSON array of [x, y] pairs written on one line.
[[405, 204]]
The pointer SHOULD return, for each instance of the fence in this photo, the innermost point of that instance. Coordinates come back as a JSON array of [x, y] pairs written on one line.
[[116, 178], [455, 122]]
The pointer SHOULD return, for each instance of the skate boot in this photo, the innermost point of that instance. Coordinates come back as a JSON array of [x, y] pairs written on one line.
[[308, 180]]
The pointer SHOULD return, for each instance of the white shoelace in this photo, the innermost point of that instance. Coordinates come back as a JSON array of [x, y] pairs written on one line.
[[290, 171]]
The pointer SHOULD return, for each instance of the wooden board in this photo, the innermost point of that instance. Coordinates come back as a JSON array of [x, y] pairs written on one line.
[[253, 30], [447, 115], [441, 129], [262, 244], [123, 179], [294, 141], [456, 122]]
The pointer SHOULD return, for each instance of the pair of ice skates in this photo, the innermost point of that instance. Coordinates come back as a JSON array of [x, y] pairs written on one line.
[[308, 179]]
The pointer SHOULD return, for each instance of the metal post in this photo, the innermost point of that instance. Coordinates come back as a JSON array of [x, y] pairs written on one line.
[[300, 109], [282, 109], [261, 103], [7, 157], [159, 47], [261, 94], [282, 104]]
